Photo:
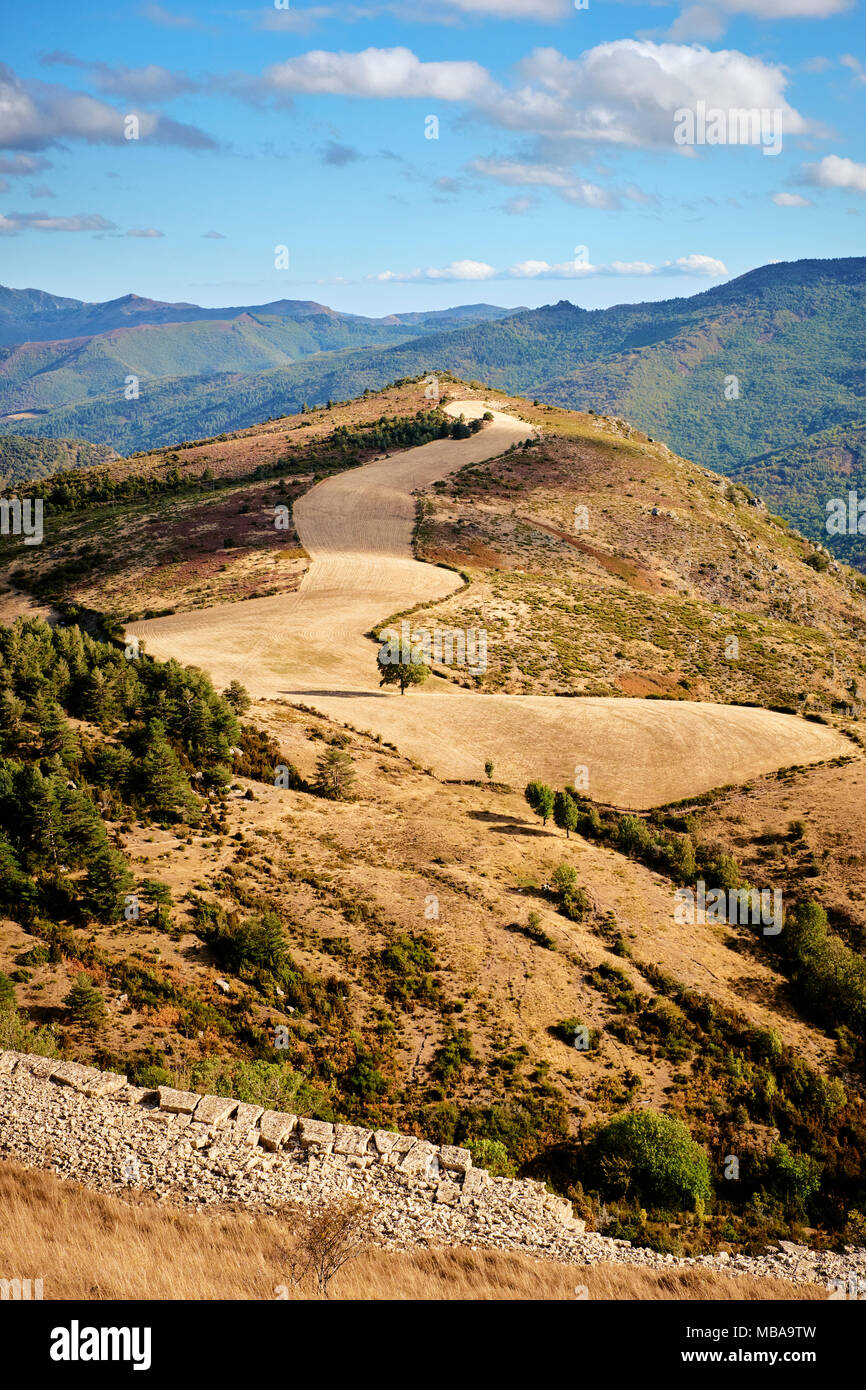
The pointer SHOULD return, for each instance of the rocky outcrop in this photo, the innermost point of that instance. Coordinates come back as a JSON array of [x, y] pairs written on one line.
[[95, 1128]]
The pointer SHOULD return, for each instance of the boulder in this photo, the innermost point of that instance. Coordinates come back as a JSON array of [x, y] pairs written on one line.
[[177, 1102], [246, 1116], [350, 1139], [475, 1182], [316, 1134], [275, 1128], [422, 1159], [214, 1110], [456, 1160]]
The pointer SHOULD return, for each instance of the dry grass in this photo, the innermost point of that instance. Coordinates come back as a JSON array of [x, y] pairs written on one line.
[[85, 1245]]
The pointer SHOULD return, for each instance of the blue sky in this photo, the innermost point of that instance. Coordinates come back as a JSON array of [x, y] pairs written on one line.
[[555, 174]]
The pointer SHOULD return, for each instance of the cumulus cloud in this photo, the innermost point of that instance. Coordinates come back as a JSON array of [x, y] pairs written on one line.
[[214, 236], [36, 115], [457, 270], [150, 83], [378, 73], [144, 231], [835, 172], [626, 92], [694, 264], [791, 200], [14, 222]]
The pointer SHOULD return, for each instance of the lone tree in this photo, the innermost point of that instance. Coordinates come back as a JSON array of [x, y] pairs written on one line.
[[488, 768], [326, 1240], [85, 1003], [238, 697], [335, 774], [565, 812], [402, 673], [540, 797]]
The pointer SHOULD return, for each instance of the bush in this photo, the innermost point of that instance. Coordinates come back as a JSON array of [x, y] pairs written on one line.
[[653, 1157], [492, 1155], [793, 1177]]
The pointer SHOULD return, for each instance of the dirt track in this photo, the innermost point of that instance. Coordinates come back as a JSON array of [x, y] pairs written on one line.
[[309, 647]]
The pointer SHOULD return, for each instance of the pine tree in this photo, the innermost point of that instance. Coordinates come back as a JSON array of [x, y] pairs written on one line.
[[335, 774], [565, 812], [105, 883], [85, 1002]]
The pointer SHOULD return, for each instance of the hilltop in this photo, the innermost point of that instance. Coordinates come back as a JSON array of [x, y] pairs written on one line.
[[729, 377], [426, 947]]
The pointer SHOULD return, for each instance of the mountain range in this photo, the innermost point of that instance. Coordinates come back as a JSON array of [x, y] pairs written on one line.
[[761, 377]]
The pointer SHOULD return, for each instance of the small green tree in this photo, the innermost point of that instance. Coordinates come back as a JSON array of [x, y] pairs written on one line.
[[540, 797], [335, 774], [85, 1002], [488, 769], [653, 1157], [238, 697], [402, 673], [565, 812]]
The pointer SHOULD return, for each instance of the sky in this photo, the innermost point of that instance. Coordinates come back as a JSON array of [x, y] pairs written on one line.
[[425, 153]]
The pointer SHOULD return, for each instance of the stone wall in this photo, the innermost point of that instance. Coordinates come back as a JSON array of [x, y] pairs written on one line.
[[167, 1138], [94, 1128]]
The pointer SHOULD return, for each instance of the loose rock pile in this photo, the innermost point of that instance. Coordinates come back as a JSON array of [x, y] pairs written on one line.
[[95, 1128]]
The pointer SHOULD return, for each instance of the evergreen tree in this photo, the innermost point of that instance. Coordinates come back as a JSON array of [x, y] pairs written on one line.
[[85, 1002], [106, 882], [540, 797], [335, 774], [565, 812]]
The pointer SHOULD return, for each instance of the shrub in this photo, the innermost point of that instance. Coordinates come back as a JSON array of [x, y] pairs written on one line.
[[492, 1155], [653, 1157]]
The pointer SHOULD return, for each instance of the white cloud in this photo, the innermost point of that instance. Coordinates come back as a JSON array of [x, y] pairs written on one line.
[[145, 232], [158, 15], [835, 172], [573, 189], [626, 92], [703, 21], [693, 264], [214, 236], [539, 10], [791, 200], [698, 265], [15, 222], [25, 164], [151, 83], [379, 73], [541, 270], [516, 207], [849, 61], [457, 270], [35, 115]]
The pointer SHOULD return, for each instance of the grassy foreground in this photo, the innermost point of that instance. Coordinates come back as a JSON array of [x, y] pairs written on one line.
[[85, 1245]]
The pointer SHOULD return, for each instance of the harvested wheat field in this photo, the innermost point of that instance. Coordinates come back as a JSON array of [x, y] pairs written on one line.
[[85, 1245], [311, 647]]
